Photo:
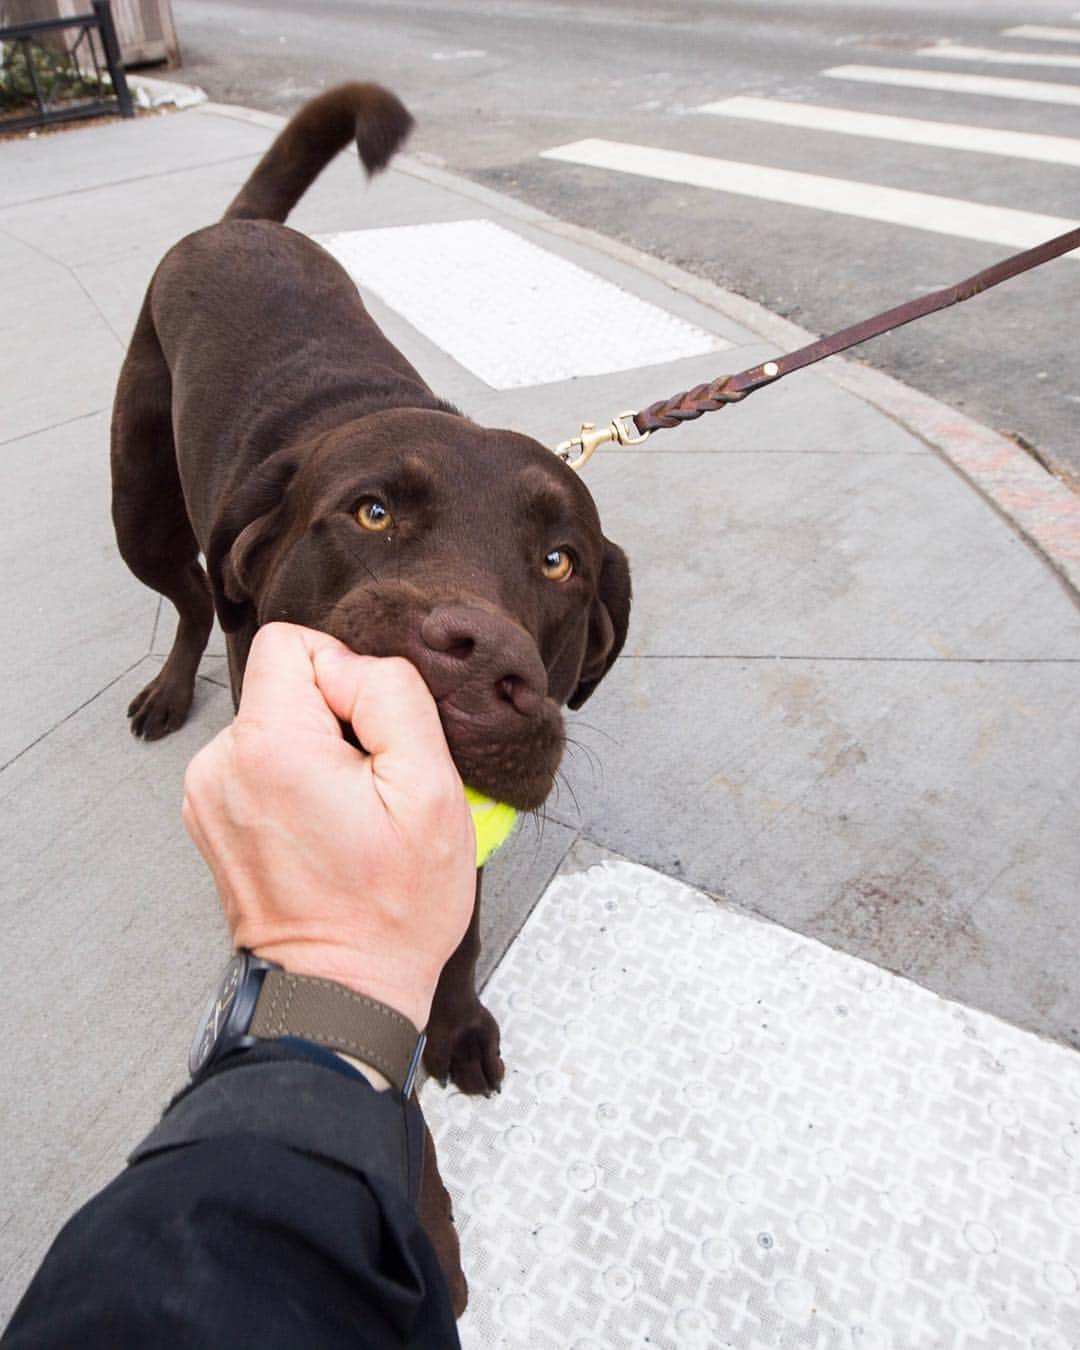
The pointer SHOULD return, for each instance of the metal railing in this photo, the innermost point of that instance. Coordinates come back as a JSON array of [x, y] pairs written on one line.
[[66, 80]]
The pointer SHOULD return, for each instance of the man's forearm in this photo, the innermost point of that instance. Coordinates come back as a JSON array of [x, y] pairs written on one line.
[[273, 1205]]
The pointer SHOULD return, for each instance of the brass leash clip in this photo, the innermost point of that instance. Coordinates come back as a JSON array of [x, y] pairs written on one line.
[[579, 449]]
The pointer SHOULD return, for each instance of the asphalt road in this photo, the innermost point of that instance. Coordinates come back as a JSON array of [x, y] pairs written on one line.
[[493, 85]]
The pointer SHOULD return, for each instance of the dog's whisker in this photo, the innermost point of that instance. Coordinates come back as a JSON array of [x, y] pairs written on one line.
[[540, 820], [579, 725], [580, 749], [593, 760], [562, 781], [536, 819]]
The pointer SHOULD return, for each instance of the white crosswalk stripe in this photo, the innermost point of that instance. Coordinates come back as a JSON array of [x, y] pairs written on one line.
[[910, 130], [856, 191], [948, 51], [1042, 33], [895, 206], [1037, 91]]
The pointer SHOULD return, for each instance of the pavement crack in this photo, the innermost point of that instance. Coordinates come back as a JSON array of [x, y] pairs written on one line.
[[135, 178], [70, 270], [73, 713], [55, 426], [97, 308], [154, 631]]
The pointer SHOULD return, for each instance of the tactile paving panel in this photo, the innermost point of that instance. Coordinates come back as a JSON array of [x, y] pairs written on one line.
[[512, 313], [717, 1133]]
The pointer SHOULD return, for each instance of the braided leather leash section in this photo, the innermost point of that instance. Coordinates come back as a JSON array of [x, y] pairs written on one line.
[[727, 389], [703, 398]]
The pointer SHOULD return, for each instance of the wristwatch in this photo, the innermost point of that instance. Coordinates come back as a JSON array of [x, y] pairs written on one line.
[[257, 1000]]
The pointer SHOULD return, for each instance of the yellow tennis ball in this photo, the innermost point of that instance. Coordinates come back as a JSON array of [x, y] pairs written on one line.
[[493, 822]]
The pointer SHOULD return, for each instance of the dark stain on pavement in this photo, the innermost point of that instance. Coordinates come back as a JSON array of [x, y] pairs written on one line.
[[905, 920]]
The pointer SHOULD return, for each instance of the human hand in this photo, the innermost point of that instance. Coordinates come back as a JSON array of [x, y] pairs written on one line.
[[357, 866]]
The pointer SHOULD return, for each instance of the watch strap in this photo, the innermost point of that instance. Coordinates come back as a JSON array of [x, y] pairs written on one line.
[[329, 1014]]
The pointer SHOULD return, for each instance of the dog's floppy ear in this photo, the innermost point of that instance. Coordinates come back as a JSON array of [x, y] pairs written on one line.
[[608, 621], [240, 534]]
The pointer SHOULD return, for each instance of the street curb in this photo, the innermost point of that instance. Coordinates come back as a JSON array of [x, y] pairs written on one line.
[[1039, 506], [274, 121]]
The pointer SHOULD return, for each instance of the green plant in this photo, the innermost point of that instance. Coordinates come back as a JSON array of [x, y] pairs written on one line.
[[57, 74]]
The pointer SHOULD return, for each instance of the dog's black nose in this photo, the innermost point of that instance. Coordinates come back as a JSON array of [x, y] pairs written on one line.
[[477, 656]]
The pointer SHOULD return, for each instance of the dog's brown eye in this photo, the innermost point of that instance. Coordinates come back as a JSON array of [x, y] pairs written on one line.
[[558, 565], [373, 515]]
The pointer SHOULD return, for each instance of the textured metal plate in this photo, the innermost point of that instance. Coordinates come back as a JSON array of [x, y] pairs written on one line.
[[511, 312], [717, 1133]]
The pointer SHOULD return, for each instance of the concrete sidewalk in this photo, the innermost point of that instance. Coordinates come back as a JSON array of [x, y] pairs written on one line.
[[848, 704]]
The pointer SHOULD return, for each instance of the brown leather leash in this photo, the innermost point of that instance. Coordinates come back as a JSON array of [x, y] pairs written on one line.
[[631, 428]]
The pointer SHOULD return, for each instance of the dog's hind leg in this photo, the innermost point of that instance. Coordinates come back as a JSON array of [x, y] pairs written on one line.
[[152, 527]]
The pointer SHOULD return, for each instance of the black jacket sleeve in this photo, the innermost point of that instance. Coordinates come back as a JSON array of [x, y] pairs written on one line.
[[273, 1206]]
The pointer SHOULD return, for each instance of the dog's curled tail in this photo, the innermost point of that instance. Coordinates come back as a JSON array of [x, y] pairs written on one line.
[[372, 115]]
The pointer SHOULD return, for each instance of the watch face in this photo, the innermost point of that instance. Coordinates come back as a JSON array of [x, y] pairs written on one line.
[[216, 1017]]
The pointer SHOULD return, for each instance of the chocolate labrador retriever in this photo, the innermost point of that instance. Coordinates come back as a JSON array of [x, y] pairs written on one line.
[[263, 420]]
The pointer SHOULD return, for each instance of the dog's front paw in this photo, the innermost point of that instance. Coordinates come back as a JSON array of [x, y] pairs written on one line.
[[161, 707], [467, 1052]]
